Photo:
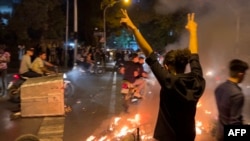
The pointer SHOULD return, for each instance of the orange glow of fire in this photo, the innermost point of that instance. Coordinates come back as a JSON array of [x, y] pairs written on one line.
[[116, 120], [198, 127], [119, 129], [91, 138], [145, 137], [198, 104], [203, 122], [123, 132], [104, 138], [136, 120], [208, 112]]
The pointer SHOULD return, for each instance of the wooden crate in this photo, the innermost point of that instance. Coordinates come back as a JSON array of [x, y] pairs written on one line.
[[43, 96]]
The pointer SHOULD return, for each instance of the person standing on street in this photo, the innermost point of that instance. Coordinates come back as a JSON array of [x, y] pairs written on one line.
[[4, 60], [230, 98], [180, 91]]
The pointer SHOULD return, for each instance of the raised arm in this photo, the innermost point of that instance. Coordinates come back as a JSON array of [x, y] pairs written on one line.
[[192, 28], [193, 45], [143, 44]]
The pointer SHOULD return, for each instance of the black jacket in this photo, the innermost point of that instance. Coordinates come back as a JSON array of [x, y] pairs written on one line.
[[178, 98], [130, 68]]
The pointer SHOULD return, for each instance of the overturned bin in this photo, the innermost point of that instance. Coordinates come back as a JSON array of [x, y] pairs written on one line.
[[42, 96]]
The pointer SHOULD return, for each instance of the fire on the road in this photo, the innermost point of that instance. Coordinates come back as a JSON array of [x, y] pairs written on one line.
[[130, 128], [203, 120]]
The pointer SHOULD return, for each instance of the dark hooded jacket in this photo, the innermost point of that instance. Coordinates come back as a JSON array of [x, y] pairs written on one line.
[[179, 95]]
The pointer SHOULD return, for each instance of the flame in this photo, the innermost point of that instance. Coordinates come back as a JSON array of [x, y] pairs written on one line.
[[91, 138], [198, 131], [123, 132], [116, 120], [208, 112], [198, 104], [198, 127], [121, 127], [103, 138], [136, 120], [115, 123], [129, 127]]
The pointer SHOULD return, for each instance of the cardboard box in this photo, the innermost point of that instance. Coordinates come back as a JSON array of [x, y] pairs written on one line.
[[42, 96]]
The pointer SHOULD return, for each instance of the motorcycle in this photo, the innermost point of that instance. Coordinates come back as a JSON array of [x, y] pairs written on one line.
[[14, 86], [99, 67], [83, 67], [127, 91]]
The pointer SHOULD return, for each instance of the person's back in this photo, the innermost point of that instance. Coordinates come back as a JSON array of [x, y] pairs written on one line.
[[25, 64], [179, 95], [130, 67], [179, 92]]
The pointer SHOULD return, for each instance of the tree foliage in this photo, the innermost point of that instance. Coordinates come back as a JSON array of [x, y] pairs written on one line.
[[90, 20], [159, 30], [162, 30], [34, 20]]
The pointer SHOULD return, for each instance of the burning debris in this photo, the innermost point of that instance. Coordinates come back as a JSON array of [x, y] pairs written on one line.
[[205, 121], [134, 129], [140, 122], [67, 109], [122, 129]]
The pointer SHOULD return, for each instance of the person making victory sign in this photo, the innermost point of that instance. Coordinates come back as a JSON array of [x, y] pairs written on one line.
[[180, 91]]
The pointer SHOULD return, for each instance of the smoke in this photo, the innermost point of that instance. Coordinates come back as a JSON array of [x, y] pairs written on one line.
[[222, 27], [170, 6], [223, 34]]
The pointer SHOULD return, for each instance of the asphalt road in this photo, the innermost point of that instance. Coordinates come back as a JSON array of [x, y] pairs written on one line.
[[95, 103], [97, 112]]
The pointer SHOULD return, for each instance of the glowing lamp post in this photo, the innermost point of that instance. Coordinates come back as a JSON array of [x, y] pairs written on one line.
[[104, 18]]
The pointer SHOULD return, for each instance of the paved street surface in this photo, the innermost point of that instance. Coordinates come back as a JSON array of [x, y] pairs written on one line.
[[95, 103], [96, 112]]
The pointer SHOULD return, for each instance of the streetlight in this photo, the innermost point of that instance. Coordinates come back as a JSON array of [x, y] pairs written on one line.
[[66, 36], [75, 32], [67, 33], [104, 18]]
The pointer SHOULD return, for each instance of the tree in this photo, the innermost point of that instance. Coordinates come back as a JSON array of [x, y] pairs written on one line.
[[159, 30], [90, 18], [162, 30], [34, 20], [120, 41]]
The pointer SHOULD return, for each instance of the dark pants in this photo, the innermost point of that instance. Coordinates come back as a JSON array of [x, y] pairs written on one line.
[[31, 74], [3, 74]]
